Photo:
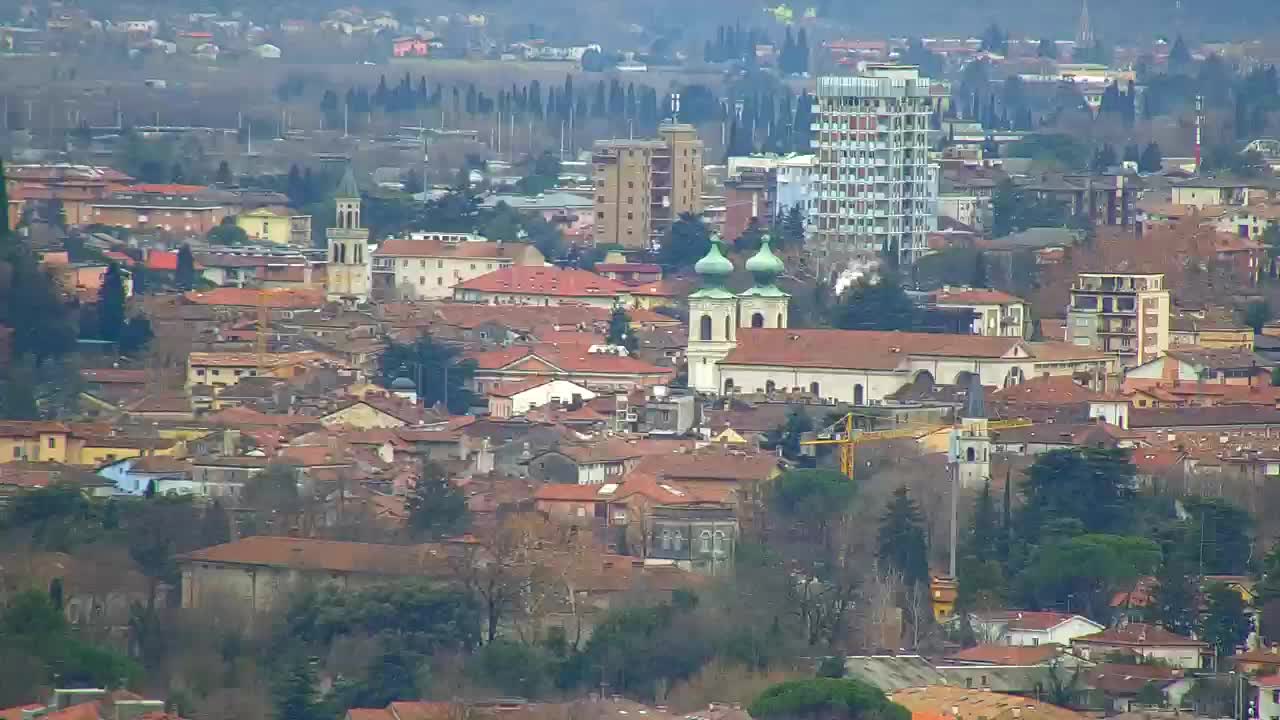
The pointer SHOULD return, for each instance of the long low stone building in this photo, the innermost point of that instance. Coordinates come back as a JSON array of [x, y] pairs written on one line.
[[863, 366]]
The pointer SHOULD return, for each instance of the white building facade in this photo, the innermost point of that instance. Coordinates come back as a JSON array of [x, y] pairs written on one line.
[[875, 189]]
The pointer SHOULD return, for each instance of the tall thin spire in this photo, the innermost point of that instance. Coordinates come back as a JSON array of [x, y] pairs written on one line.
[[1084, 34]]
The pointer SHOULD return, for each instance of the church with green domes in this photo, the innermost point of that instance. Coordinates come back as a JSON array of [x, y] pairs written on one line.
[[716, 313]]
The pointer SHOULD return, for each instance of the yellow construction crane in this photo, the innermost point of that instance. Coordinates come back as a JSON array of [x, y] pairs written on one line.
[[842, 433]]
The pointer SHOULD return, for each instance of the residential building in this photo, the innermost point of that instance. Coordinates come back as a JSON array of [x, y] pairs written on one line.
[[1268, 697], [1022, 628], [277, 226], [514, 399], [961, 207], [75, 443], [797, 178], [1200, 365], [1148, 642], [700, 537], [182, 215], [424, 269], [1121, 314], [598, 368], [542, 285], [1124, 687], [642, 186], [259, 573], [349, 276], [999, 314], [220, 369], [1214, 328], [749, 198], [875, 190], [1204, 192], [571, 213]]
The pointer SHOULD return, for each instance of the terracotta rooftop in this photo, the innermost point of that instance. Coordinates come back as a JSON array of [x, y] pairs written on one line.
[[114, 376], [568, 358], [1049, 390], [1138, 635], [248, 359], [1221, 415], [550, 281], [942, 700], [1124, 679], [274, 299], [326, 555], [1006, 654], [710, 464], [515, 387], [1031, 620], [972, 296], [877, 350]]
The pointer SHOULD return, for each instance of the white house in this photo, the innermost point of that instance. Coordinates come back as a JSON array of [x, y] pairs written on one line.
[[1150, 642], [1268, 701], [513, 399], [999, 313], [432, 265], [1029, 628]]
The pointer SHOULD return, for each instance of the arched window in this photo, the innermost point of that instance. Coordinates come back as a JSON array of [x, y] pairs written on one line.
[[706, 541], [728, 327], [704, 328], [857, 394], [677, 540], [1015, 377], [757, 320], [970, 455], [814, 389], [769, 386], [666, 539]]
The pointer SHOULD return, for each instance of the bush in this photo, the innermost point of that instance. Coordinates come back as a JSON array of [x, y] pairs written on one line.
[[828, 698]]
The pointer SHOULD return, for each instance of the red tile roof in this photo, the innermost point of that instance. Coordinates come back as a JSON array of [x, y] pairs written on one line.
[[569, 358], [114, 376], [16, 712], [1138, 635], [1029, 619], [877, 350], [165, 189], [1059, 390], [974, 297], [275, 299], [550, 281], [329, 555], [511, 389], [162, 260], [1006, 655]]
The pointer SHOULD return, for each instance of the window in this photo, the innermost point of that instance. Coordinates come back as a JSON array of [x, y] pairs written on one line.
[[857, 394], [705, 537], [53, 442], [17, 453], [769, 386], [439, 281], [704, 328], [814, 389], [969, 455], [757, 320]]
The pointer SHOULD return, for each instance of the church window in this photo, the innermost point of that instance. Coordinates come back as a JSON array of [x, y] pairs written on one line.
[[704, 328], [757, 320]]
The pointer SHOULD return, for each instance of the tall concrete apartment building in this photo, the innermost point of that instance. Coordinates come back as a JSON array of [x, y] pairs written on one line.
[[642, 186], [875, 189], [1126, 314]]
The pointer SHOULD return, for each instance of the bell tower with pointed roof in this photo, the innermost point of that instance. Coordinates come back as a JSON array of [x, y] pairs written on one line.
[[349, 275], [971, 438], [713, 312]]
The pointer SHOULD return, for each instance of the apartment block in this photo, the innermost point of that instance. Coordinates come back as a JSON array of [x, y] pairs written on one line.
[[1124, 314], [642, 186], [876, 191]]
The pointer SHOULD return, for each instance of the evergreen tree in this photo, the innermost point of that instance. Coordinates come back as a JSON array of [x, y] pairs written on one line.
[[982, 537], [901, 542], [223, 176], [1104, 158], [1151, 160], [1174, 602], [1225, 624], [437, 508], [111, 299], [295, 691], [185, 276], [1179, 56], [802, 51], [793, 228], [215, 525], [620, 332], [135, 334], [18, 391], [882, 305]]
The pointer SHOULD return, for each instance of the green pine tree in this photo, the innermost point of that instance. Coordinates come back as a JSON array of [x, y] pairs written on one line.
[[902, 544], [185, 277], [111, 299], [437, 508], [620, 332], [1225, 624]]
